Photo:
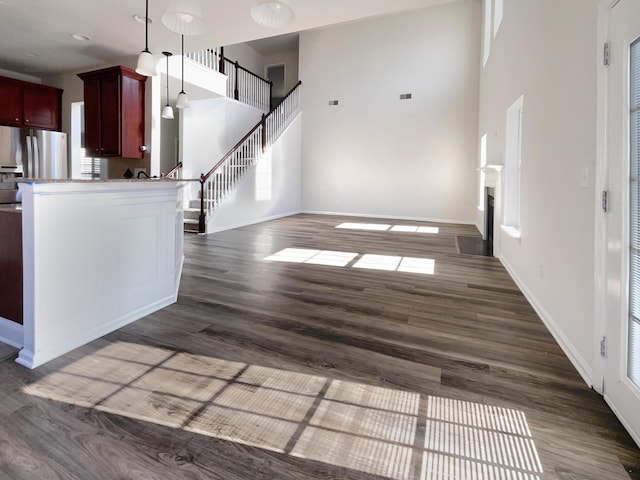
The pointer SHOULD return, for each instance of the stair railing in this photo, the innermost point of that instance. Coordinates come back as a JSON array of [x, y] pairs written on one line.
[[244, 85], [174, 172], [207, 58], [220, 180]]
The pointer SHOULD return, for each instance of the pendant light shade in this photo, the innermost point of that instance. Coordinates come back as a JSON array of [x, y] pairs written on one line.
[[184, 17], [271, 13], [182, 101], [167, 111], [146, 63]]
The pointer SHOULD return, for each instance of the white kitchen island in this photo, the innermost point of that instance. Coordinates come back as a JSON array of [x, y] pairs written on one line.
[[97, 255]]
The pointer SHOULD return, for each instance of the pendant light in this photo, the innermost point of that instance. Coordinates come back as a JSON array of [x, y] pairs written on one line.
[[146, 64], [167, 111], [184, 17], [272, 13], [182, 101]]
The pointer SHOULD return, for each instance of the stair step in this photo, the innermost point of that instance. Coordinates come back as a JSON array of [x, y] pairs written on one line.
[[191, 227], [191, 213]]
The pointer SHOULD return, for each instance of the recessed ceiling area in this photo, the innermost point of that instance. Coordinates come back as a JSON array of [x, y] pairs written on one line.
[[44, 29]]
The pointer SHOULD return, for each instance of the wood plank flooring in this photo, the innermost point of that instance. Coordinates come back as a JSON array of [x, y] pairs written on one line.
[[272, 369]]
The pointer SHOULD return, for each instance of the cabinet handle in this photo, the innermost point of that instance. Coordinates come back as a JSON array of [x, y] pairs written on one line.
[[26, 120], [17, 119]]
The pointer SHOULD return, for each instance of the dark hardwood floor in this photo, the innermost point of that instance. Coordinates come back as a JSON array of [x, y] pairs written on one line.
[[432, 368]]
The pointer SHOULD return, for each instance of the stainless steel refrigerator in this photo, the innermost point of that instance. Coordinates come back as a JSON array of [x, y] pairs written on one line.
[[33, 153]]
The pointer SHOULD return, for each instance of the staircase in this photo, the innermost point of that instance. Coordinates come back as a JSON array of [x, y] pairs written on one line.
[[223, 177]]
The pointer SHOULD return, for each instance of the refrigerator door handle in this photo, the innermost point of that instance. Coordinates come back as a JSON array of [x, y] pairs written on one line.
[[36, 156], [29, 166]]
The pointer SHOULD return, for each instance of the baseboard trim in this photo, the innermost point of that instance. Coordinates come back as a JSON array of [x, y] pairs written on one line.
[[623, 420], [45, 353], [390, 217], [569, 350], [11, 333]]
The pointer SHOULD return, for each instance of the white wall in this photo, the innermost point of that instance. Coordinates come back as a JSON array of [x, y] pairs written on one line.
[[248, 203], [210, 128], [374, 154], [547, 51], [247, 56]]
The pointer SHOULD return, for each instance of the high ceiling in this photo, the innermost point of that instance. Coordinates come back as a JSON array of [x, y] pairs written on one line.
[[36, 35]]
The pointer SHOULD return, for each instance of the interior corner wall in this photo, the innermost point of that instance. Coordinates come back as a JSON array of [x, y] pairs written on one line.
[[547, 51], [210, 128], [247, 56], [290, 61], [374, 154]]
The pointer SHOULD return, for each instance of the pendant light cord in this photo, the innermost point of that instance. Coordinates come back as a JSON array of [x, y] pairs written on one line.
[[182, 64], [146, 27], [167, 79]]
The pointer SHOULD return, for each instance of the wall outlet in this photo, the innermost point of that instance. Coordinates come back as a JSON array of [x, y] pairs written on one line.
[[584, 177]]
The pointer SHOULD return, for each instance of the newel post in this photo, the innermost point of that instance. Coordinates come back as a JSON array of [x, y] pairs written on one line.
[[236, 92], [270, 95], [202, 227], [264, 132], [221, 62]]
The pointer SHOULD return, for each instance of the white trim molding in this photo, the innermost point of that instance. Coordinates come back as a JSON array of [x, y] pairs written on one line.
[[580, 364], [11, 333]]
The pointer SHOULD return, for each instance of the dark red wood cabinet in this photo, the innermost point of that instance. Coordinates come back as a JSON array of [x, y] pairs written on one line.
[[114, 112], [26, 104]]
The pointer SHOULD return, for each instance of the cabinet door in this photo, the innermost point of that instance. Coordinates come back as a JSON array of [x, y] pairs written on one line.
[[111, 123], [41, 107], [11, 104], [92, 117]]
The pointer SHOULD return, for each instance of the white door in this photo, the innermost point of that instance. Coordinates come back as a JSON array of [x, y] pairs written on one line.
[[622, 258]]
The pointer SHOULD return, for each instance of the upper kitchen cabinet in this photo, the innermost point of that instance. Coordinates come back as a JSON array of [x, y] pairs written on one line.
[[26, 104], [114, 112]]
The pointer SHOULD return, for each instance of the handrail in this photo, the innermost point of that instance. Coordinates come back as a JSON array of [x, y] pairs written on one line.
[[204, 177], [174, 170], [245, 85], [242, 84], [251, 73], [236, 161], [285, 97]]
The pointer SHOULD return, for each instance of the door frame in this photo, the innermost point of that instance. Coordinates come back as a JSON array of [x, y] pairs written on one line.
[[601, 232], [284, 73], [601, 185]]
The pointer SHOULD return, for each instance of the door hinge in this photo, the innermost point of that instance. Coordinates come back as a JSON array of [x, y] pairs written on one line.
[[605, 201], [605, 54], [603, 347]]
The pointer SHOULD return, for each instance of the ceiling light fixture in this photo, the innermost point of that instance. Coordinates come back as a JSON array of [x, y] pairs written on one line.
[[80, 37], [272, 13], [182, 101], [184, 17], [167, 111], [146, 64]]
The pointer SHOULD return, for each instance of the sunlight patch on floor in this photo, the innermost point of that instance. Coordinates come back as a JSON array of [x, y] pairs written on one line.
[[424, 266], [315, 257], [370, 429], [381, 227]]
